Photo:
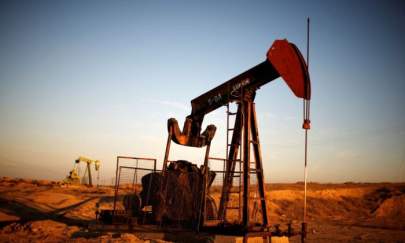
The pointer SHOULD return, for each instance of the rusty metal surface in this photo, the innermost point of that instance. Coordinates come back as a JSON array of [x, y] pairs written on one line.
[[229, 91], [190, 136], [283, 59], [180, 201], [290, 64]]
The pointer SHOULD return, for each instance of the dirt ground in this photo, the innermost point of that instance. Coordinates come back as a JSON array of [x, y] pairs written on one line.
[[46, 211]]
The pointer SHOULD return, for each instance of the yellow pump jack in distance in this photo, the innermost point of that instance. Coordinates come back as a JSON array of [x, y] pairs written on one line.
[[74, 176]]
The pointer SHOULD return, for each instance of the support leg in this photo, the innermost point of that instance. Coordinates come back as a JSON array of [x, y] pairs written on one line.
[[202, 213], [259, 164], [163, 185], [166, 158], [89, 171], [246, 161]]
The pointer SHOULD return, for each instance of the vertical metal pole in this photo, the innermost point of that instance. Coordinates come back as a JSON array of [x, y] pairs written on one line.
[[306, 138], [136, 172], [227, 140], [116, 169], [304, 224], [90, 179], [306, 119], [246, 161], [163, 185], [222, 210], [116, 181], [305, 177], [149, 187], [116, 190], [166, 158], [241, 121], [203, 207], [135, 180], [308, 42]]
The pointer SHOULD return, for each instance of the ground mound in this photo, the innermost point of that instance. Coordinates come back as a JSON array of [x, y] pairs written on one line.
[[391, 212], [42, 230], [393, 208]]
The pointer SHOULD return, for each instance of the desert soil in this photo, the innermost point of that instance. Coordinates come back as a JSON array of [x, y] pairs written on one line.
[[47, 211]]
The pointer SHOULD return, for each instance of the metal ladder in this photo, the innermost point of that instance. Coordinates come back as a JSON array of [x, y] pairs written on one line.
[[238, 172]]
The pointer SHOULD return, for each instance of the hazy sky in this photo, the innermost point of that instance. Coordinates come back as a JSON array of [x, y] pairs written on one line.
[[100, 79]]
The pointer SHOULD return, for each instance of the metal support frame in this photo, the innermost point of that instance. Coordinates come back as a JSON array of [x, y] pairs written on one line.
[[246, 164], [246, 131], [118, 174], [259, 163], [89, 171]]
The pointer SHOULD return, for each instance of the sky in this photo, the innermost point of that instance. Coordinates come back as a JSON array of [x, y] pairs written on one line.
[[101, 78]]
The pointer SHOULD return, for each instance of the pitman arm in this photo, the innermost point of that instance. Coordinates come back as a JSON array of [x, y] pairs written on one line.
[[283, 59]]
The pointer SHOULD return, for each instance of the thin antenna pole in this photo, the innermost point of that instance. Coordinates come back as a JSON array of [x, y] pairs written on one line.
[[306, 134], [305, 176], [306, 126], [308, 42]]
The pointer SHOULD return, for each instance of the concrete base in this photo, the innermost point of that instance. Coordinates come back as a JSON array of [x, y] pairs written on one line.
[[256, 239], [279, 239]]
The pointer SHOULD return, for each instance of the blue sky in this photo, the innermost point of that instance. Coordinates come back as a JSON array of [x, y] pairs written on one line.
[[101, 78]]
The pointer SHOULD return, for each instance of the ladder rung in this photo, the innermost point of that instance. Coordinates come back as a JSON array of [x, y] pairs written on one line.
[[232, 113], [230, 144], [231, 129], [254, 198], [234, 192], [232, 207]]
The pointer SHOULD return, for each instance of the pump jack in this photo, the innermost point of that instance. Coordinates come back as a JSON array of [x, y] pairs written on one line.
[[284, 60], [74, 176]]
